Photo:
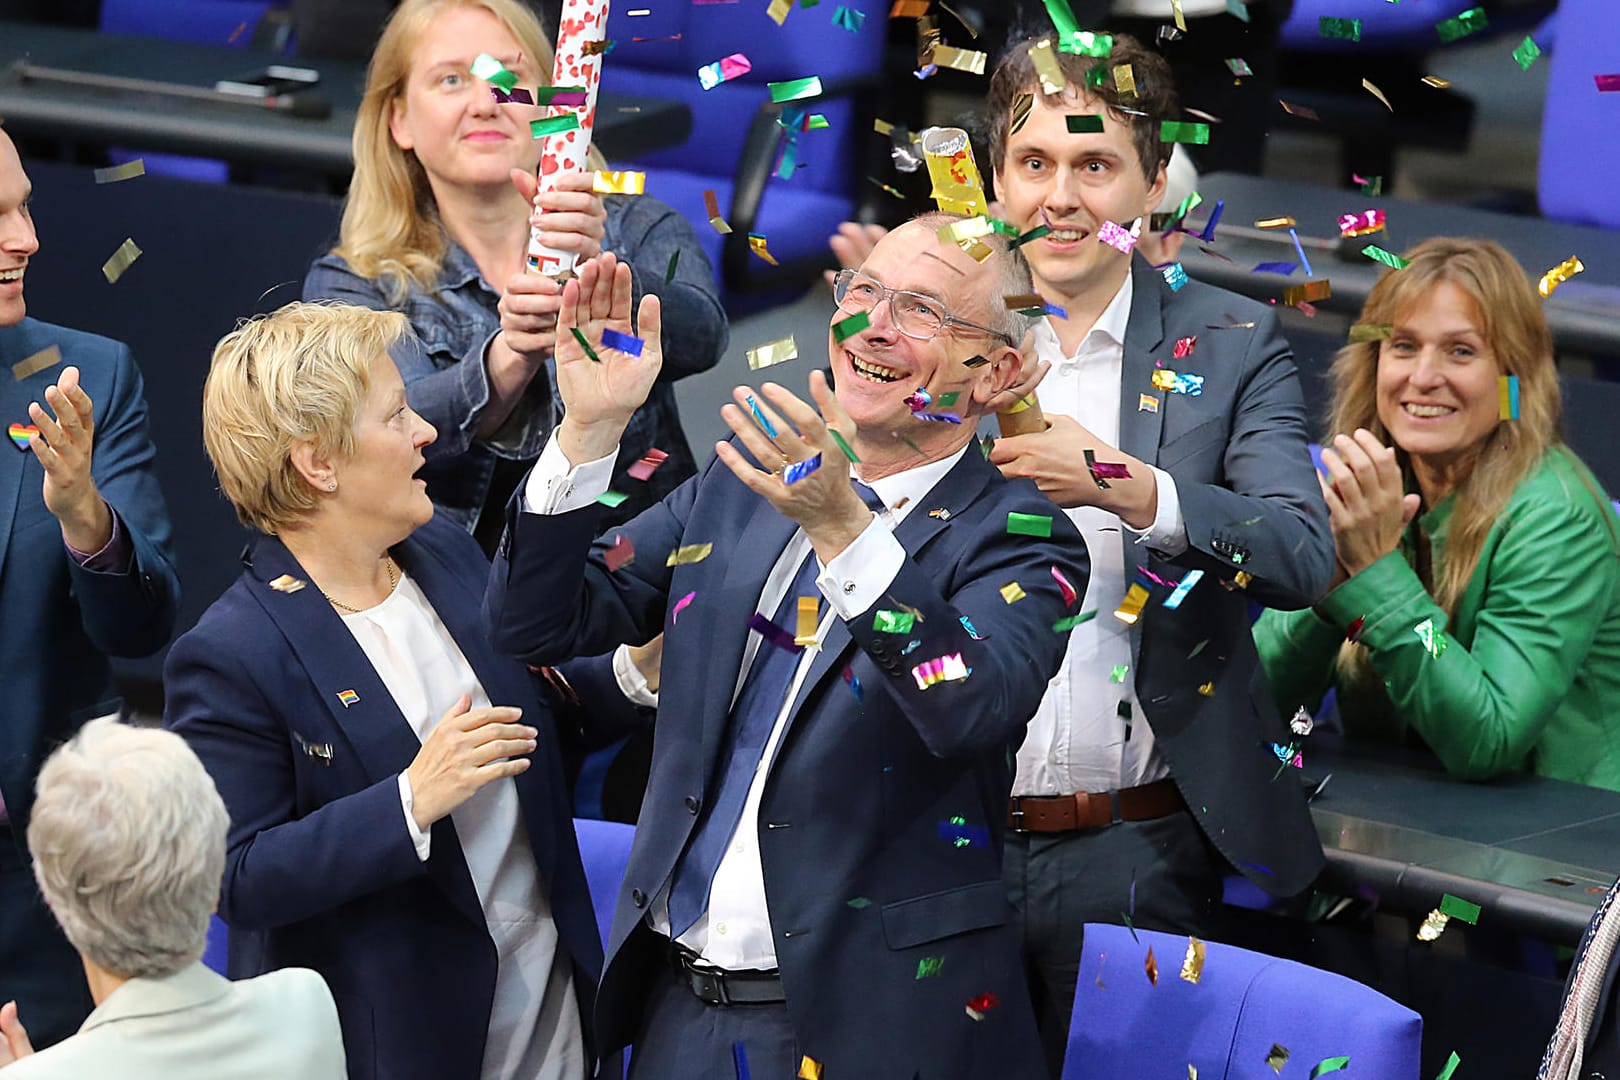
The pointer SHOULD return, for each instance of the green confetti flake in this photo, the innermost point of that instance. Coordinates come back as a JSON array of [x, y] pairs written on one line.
[[1451, 1067], [929, 966], [1388, 258], [579, 337], [1458, 908], [857, 322], [795, 89], [669, 273], [554, 125], [1184, 132], [1064, 625], [1034, 234], [858, 903], [611, 498], [1084, 124], [1468, 22], [1118, 674], [1028, 524], [945, 401], [1329, 1065], [543, 95], [844, 446], [1527, 53], [492, 71], [893, 622], [817, 122], [1343, 29]]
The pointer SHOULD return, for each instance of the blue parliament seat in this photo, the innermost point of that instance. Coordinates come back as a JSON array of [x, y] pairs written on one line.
[[604, 847], [1578, 158]]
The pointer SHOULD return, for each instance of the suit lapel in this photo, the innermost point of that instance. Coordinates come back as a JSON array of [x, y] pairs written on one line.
[[355, 696], [14, 399], [1139, 428]]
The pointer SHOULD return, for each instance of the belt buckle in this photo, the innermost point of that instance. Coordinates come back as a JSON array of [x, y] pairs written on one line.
[[711, 988]]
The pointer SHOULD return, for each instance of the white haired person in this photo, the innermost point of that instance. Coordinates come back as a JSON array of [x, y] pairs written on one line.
[[128, 836]]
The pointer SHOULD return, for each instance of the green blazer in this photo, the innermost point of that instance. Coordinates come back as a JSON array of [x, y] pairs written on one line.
[[1528, 675]]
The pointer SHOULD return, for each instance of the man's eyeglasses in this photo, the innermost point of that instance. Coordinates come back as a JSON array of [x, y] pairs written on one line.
[[915, 315]]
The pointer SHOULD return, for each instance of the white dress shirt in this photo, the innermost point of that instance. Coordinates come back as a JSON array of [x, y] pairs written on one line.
[[1077, 740], [534, 1025], [735, 932]]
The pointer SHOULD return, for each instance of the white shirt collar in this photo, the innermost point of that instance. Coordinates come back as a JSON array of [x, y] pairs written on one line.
[[902, 491], [1109, 327]]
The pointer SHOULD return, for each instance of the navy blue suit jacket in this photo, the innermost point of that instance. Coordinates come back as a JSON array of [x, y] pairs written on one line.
[[62, 621], [871, 789], [319, 866]]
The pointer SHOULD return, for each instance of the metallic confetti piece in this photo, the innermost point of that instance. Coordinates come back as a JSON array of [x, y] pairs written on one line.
[[1091, 467], [681, 605], [1283, 268], [1178, 382], [1117, 675], [857, 322], [1436, 82], [611, 498], [980, 1004], [809, 1067], [1125, 79], [1371, 88], [1241, 10], [554, 125], [843, 445], [573, 97], [756, 244], [801, 469], [1559, 274], [1434, 924], [1301, 723], [492, 71], [1207, 689], [579, 336], [1451, 1067], [1238, 67], [969, 60], [1526, 53], [1020, 114], [1277, 1057], [1175, 276], [1275, 223], [1361, 332], [1468, 22], [1042, 56], [929, 966], [723, 70], [1368, 221], [129, 170], [1343, 29], [121, 260], [940, 669], [1151, 966], [773, 634], [918, 399], [909, 9], [1130, 609], [1460, 909], [1192, 1070], [620, 555], [518, 96], [1607, 84], [860, 902], [809, 616], [1310, 292], [1184, 132], [1192, 965], [1432, 639], [1069, 622], [1184, 347], [1183, 587], [1507, 397], [1012, 592], [21, 434], [847, 18], [739, 1057], [1242, 578], [1109, 470], [772, 353], [689, 553], [961, 834], [1028, 524], [761, 419], [712, 205], [1069, 594], [1179, 15], [795, 89], [1328, 1065], [286, 583], [1116, 237], [669, 272], [1303, 111], [778, 13], [47, 357], [1299, 249], [1388, 258], [625, 343], [626, 182]]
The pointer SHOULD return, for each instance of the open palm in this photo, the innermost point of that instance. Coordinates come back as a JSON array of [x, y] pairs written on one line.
[[610, 387]]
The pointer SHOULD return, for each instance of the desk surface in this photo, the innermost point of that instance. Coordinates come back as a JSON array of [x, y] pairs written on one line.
[[1584, 312], [626, 126], [1537, 855]]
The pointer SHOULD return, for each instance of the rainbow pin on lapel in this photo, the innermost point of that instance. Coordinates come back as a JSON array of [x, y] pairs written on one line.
[[348, 697], [20, 434]]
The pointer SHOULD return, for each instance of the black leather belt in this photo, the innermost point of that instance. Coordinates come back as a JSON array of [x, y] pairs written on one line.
[[717, 986]]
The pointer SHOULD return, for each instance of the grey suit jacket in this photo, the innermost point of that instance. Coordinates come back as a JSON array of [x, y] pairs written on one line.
[[195, 1023], [1238, 453]]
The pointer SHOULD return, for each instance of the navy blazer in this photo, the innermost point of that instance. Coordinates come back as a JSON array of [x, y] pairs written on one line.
[[1249, 497], [62, 621], [881, 825], [319, 865]]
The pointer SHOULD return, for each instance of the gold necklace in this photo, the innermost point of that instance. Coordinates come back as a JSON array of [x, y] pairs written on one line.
[[393, 580]]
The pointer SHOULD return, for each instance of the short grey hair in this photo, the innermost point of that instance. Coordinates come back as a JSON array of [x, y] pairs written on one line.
[[1012, 274], [128, 840]]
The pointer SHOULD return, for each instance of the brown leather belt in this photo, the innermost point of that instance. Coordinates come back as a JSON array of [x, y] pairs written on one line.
[[1093, 810]]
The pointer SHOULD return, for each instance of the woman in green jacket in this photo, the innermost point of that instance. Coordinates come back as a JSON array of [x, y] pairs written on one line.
[[1476, 605]]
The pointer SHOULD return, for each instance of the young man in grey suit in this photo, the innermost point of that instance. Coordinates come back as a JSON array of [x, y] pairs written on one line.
[[1148, 773]]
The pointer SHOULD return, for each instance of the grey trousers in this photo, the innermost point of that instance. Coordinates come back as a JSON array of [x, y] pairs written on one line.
[[681, 1038]]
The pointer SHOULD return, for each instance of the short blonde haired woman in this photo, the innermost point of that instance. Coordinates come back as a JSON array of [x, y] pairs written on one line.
[[1476, 606], [398, 817], [436, 226], [128, 836]]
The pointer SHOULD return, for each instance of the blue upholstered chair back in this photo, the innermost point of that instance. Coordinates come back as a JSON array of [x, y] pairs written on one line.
[[1579, 154], [209, 22], [604, 847], [1226, 1024]]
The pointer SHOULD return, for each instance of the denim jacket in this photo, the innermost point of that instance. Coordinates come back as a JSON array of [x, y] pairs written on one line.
[[447, 383]]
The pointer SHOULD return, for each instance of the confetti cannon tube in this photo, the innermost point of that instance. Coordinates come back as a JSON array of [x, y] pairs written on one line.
[[957, 185], [583, 27]]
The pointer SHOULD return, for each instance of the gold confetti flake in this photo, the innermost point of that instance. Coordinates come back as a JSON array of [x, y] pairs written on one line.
[[1012, 592], [1192, 965], [772, 353], [121, 260], [689, 553]]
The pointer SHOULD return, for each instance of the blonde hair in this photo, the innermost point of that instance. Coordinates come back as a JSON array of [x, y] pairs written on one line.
[[391, 230], [128, 839], [297, 374]]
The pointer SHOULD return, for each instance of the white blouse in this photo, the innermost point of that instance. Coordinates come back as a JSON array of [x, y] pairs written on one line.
[[534, 1024]]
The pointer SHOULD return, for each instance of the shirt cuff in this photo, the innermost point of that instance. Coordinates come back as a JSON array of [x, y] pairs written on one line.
[[859, 575], [115, 555], [421, 840], [632, 684], [555, 486], [1168, 533]]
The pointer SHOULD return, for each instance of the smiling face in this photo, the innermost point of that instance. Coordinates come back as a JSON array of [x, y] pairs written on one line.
[[1074, 183], [17, 238], [876, 369], [448, 117], [377, 483], [1437, 379]]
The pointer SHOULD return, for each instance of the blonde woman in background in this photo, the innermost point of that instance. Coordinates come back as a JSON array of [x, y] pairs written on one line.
[[1476, 604]]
